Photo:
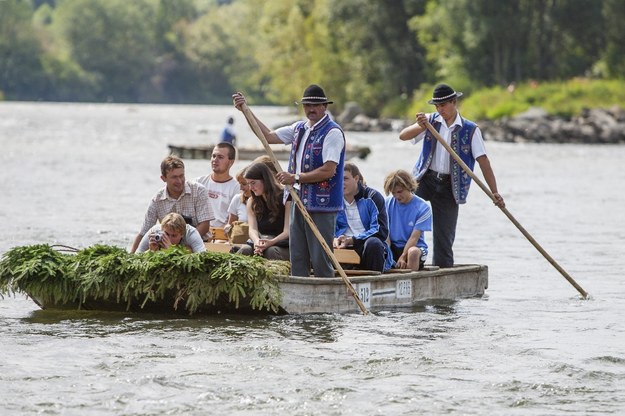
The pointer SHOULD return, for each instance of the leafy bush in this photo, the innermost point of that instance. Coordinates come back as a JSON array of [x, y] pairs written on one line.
[[37, 269], [112, 274]]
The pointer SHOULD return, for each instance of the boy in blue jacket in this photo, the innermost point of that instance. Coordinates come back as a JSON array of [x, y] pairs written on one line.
[[363, 224]]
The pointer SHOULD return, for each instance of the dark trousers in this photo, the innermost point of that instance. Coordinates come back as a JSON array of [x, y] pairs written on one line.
[[304, 247], [372, 254], [444, 216], [398, 251]]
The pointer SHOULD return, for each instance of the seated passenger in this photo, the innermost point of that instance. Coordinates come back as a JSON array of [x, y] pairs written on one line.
[[409, 217], [171, 231], [237, 211], [178, 195], [363, 223], [268, 223], [220, 185]]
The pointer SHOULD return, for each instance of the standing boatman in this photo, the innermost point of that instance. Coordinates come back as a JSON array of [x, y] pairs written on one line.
[[315, 169], [441, 179]]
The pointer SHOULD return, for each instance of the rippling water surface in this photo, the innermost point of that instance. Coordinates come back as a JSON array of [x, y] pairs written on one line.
[[83, 174]]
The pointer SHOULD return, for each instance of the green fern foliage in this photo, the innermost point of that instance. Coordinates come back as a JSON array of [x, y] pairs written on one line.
[[110, 273]]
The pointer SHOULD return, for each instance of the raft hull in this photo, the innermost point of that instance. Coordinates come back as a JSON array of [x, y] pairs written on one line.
[[303, 295], [387, 291]]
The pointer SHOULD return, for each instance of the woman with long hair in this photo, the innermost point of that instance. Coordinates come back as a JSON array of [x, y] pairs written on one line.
[[268, 223]]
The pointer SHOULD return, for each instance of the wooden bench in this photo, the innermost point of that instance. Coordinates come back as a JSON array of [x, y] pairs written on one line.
[[346, 256], [218, 234], [219, 243], [218, 247], [343, 255]]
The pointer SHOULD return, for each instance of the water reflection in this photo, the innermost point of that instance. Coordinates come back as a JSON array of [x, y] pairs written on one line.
[[425, 322], [314, 327]]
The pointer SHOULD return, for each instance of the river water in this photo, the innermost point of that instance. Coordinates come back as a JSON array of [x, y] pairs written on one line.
[[80, 174]]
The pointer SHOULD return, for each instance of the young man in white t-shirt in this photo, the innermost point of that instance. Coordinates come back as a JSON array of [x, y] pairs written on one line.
[[221, 186]]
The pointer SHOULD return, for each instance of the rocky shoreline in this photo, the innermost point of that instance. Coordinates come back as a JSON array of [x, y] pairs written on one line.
[[592, 126]]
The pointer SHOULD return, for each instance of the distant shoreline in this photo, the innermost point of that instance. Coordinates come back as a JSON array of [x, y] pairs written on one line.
[[592, 126]]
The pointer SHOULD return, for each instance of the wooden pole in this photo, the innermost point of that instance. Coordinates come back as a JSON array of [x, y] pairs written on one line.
[[506, 212], [259, 133]]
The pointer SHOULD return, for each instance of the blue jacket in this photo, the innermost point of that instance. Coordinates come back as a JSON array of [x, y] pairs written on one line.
[[372, 210]]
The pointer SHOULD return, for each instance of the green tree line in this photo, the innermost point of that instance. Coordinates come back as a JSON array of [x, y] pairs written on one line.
[[381, 54]]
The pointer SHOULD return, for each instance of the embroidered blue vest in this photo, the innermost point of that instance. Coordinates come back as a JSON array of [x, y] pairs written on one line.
[[325, 196], [461, 139]]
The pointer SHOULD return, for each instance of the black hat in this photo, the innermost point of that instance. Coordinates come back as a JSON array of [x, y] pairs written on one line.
[[314, 95], [443, 93]]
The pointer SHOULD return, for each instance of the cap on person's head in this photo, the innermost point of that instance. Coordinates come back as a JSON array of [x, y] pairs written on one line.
[[314, 94], [443, 93]]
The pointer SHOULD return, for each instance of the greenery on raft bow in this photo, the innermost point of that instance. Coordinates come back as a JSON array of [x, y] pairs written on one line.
[[108, 272]]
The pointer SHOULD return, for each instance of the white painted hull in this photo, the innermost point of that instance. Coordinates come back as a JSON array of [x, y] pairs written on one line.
[[383, 292]]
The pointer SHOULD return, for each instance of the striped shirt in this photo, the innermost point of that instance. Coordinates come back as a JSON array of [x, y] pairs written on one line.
[[193, 203]]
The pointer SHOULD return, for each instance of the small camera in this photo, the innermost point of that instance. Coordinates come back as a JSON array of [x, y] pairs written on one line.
[[158, 236]]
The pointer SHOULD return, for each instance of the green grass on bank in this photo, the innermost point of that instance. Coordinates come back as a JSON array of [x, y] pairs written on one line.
[[564, 99]]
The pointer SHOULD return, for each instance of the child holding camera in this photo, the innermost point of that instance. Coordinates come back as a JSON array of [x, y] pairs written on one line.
[[171, 231]]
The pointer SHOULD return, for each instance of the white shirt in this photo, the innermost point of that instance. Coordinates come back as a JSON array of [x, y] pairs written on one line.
[[332, 145], [220, 195], [354, 223], [441, 158], [238, 208]]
